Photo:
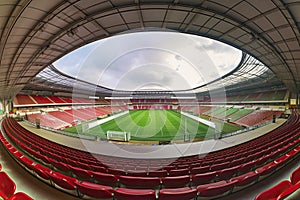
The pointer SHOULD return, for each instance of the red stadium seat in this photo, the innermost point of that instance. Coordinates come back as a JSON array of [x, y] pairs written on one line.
[[185, 193], [295, 176], [198, 179], [42, 171], [106, 179], [281, 161], [219, 166], [178, 172], [246, 167], [200, 170], [266, 170], [215, 189], [137, 173], [7, 186], [274, 192], [175, 181], [291, 193], [98, 169], [116, 171], [20, 196], [94, 190], [28, 163], [134, 194], [261, 161], [140, 182], [59, 165], [244, 180], [159, 173], [227, 173], [81, 173], [63, 181]]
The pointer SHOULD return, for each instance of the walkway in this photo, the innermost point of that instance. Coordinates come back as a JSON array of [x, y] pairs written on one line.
[[157, 151]]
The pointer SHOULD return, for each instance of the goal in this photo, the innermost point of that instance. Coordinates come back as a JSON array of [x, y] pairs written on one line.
[[118, 136]]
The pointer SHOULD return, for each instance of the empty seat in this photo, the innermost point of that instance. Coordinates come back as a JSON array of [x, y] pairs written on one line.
[[281, 161], [238, 161], [81, 173], [291, 193], [159, 173], [94, 190], [20, 196], [7, 186], [98, 168], [295, 176], [59, 165], [105, 179], [175, 181], [178, 172], [185, 193], [116, 171], [274, 192], [42, 171], [134, 194], [227, 173], [140, 182], [198, 179], [261, 161], [219, 166], [216, 189], [244, 180], [83, 166], [199, 170], [266, 170], [28, 163], [137, 173], [63, 181], [246, 167]]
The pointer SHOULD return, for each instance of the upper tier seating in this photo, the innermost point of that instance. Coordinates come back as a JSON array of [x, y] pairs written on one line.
[[23, 100], [41, 99], [259, 96], [56, 99]]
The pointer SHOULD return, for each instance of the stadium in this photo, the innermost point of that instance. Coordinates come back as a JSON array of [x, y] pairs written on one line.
[[145, 99]]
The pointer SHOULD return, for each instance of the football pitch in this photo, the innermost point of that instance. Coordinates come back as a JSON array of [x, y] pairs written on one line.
[[152, 125]]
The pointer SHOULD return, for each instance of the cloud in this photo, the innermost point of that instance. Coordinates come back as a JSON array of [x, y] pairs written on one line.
[[151, 59]]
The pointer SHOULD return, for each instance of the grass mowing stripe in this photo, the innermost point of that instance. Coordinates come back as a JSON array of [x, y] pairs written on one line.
[[153, 125]]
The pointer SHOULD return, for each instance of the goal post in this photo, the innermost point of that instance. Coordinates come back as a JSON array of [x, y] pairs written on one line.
[[118, 135]]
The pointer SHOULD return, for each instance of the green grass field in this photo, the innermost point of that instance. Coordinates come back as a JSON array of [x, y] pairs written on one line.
[[153, 125]]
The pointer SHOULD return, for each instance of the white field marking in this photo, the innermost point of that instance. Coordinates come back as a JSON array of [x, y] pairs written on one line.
[[102, 121], [198, 119]]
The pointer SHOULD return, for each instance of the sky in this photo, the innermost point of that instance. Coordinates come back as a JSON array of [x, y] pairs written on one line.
[[151, 61]]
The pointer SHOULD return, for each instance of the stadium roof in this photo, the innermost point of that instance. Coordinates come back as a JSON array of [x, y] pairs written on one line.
[[36, 33], [249, 73]]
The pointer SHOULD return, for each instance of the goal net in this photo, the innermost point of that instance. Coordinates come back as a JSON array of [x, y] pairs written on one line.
[[118, 135]]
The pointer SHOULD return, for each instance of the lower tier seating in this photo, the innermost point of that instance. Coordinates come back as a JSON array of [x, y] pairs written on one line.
[[287, 189], [93, 175], [8, 186]]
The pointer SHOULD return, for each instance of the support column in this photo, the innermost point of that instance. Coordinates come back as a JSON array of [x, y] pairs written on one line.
[[2, 106], [6, 106], [297, 101]]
